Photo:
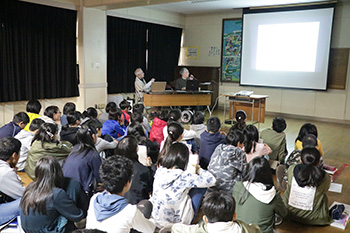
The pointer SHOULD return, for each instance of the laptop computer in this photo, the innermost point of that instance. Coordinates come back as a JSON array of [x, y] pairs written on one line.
[[158, 87], [192, 85]]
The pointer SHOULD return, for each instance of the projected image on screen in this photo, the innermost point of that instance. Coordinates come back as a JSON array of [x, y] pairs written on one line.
[[287, 47]]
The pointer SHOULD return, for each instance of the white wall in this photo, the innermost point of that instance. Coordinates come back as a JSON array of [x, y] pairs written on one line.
[[205, 31], [150, 15]]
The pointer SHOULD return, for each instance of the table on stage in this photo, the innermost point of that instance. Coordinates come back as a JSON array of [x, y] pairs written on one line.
[[178, 98], [253, 105]]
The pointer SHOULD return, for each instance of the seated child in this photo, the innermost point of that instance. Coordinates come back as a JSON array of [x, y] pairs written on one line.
[[69, 131], [137, 117], [11, 129], [104, 116], [159, 122], [188, 135], [140, 108], [11, 188], [103, 147], [175, 134], [47, 204], [172, 183], [110, 211], [26, 137], [256, 198], [45, 143], [307, 128], [228, 162], [67, 108], [125, 107], [151, 148], [52, 114], [275, 138], [83, 163], [90, 113], [309, 141], [114, 126], [33, 108], [241, 118], [252, 147], [210, 139], [219, 217], [142, 180], [198, 126], [309, 181]]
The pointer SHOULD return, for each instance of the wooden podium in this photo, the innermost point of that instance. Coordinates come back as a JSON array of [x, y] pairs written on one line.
[[253, 105], [179, 98]]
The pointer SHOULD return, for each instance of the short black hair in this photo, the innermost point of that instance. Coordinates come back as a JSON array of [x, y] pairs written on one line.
[[96, 123], [174, 115], [124, 104], [8, 146], [33, 106], [115, 173], [198, 118], [92, 112], [164, 114], [115, 114], [36, 123], [235, 136], [21, 117], [213, 124], [177, 156], [111, 106], [279, 124], [219, 206], [137, 117], [73, 117], [50, 110], [307, 128], [139, 108], [309, 141], [68, 107], [128, 147]]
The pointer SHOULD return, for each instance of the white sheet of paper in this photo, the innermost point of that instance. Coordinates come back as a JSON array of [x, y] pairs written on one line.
[[335, 187], [142, 153], [301, 197]]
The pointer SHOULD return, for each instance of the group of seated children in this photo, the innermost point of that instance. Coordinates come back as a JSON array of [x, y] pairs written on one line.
[[121, 174]]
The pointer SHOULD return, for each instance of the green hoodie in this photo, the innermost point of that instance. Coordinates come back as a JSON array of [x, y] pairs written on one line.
[[260, 212], [202, 228], [59, 151]]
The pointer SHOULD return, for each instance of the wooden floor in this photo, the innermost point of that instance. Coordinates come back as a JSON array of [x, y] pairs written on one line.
[[335, 140], [334, 137]]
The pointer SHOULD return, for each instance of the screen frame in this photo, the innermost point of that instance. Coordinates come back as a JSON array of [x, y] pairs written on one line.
[[286, 9]]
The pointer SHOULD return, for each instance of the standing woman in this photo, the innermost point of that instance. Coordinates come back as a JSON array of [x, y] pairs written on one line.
[[45, 206], [84, 162]]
